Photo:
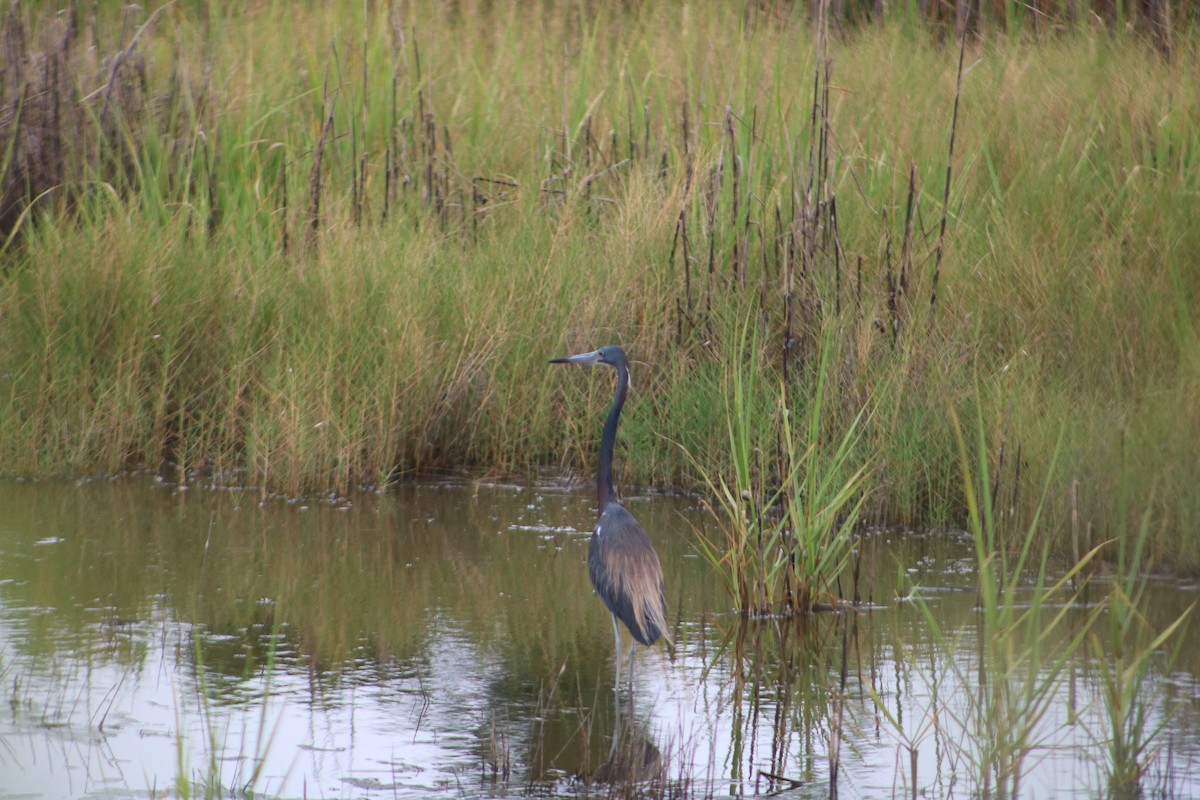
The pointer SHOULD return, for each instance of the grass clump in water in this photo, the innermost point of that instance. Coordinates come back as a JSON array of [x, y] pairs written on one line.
[[784, 539]]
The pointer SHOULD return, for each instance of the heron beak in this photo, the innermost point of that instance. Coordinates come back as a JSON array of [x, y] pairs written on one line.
[[583, 358]]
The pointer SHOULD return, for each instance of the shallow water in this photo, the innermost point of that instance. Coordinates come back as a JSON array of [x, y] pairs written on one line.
[[443, 641]]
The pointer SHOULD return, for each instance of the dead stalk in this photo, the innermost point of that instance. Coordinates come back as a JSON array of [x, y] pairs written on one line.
[[937, 256]]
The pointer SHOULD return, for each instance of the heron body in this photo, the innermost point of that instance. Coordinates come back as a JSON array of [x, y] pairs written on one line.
[[622, 563], [626, 573]]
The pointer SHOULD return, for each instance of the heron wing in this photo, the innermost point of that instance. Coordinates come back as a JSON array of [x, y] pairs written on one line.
[[627, 574]]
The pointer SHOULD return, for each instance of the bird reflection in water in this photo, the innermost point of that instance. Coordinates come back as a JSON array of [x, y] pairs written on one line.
[[634, 760]]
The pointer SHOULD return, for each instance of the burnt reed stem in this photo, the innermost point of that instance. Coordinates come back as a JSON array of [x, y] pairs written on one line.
[[314, 181], [938, 251]]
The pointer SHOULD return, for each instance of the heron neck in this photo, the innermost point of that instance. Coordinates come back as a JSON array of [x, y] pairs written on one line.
[[605, 491]]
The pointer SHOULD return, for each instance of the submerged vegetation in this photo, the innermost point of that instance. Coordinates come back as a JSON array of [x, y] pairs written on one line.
[[319, 249]]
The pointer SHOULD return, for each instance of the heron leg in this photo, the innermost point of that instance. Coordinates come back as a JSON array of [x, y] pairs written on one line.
[[617, 652], [616, 738], [632, 645]]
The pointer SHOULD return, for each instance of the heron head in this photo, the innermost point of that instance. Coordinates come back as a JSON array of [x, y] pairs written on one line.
[[610, 354]]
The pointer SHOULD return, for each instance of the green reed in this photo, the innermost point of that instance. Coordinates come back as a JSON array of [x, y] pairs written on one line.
[[1028, 629], [1129, 651], [1034, 628], [1024, 647]]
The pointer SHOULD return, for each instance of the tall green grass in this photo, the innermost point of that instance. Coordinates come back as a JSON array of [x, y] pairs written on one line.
[[318, 247]]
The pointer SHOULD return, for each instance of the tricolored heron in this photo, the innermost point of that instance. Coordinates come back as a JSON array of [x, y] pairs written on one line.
[[621, 560]]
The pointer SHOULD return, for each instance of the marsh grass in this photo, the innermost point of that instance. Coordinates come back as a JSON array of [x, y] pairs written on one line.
[[327, 248], [1024, 647], [1033, 632], [1029, 629]]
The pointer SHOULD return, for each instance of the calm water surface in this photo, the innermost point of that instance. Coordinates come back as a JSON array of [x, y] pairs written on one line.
[[443, 641]]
